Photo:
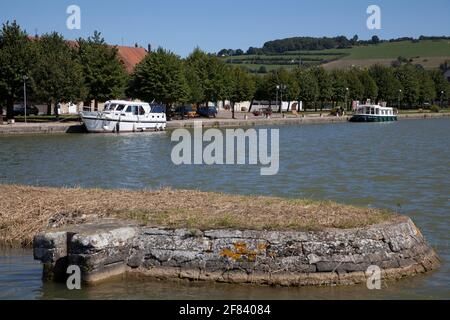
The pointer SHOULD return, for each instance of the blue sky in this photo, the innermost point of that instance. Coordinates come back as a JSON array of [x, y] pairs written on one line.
[[212, 25]]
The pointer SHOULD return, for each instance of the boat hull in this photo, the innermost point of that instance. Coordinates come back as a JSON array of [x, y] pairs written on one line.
[[372, 118], [97, 124]]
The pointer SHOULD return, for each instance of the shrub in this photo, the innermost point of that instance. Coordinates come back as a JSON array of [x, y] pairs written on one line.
[[434, 108]]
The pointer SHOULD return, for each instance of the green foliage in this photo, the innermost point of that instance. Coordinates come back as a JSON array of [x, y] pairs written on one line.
[[339, 86], [324, 82], [105, 76], [16, 61], [242, 85], [305, 43], [208, 77], [161, 77], [427, 89], [440, 84], [388, 85], [354, 85], [435, 108], [407, 75], [370, 88], [57, 74], [307, 83]]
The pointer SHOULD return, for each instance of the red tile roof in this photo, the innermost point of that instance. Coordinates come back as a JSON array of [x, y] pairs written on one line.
[[129, 56]]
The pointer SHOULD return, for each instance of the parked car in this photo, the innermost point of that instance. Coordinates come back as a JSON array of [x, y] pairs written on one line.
[[182, 112], [20, 111], [207, 112]]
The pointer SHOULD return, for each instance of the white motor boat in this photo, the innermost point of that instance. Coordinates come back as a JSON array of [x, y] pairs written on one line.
[[125, 116]]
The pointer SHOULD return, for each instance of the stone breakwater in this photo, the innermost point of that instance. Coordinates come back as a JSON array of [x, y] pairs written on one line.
[[330, 257]]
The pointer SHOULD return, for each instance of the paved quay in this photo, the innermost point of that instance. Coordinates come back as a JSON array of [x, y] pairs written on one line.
[[224, 120]]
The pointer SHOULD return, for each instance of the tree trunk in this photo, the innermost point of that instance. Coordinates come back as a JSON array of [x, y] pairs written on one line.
[[232, 110], [9, 108], [251, 105], [289, 105], [49, 108], [56, 111], [95, 105]]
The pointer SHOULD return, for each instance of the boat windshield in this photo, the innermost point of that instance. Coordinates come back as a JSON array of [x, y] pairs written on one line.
[[120, 107], [110, 107]]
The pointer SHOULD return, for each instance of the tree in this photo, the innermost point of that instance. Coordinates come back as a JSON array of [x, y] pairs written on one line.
[[57, 74], [324, 82], [16, 60], [242, 86], [262, 91], [408, 77], [375, 40], [161, 77], [355, 86], [339, 88], [211, 82], [370, 88], [104, 75], [427, 89], [273, 79], [308, 87], [441, 85]]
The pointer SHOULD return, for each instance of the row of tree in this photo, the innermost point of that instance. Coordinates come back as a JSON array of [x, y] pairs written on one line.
[[86, 70], [201, 77], [55, 70]]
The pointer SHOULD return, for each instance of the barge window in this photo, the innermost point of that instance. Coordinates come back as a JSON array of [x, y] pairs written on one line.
[[133, 110]]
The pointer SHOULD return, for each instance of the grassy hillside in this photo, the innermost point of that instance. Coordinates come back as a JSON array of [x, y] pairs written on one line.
[[428, 53]]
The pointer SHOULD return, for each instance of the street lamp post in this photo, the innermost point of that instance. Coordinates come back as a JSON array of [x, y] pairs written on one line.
[[278, 88], [346, 94], [25, 78], [399, 94], [282, 88], [442, 98]]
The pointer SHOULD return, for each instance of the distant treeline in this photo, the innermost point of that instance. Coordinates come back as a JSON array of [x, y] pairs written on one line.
[[312, 43]]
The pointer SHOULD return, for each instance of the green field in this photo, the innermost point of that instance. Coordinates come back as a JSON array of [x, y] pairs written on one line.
[[428, 53], [392, 50]]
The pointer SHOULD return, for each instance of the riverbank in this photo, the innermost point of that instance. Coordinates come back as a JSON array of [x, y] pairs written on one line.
[[240, 121]]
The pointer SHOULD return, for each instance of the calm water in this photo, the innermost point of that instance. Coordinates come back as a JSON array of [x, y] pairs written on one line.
[[402, 166]]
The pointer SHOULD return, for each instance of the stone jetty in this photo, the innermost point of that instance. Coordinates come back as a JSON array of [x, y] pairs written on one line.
[[110, 247]]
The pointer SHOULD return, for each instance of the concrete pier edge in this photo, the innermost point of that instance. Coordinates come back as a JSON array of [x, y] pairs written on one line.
[[58, 128]]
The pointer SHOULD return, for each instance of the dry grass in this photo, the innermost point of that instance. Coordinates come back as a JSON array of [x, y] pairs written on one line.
[[26, 210]]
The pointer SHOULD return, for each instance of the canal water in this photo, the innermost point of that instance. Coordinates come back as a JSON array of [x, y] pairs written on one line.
[[403, 166]]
